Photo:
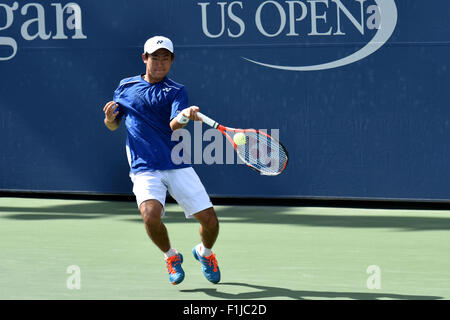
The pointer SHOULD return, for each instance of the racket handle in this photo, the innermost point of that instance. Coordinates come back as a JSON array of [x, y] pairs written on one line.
[[210, 122]]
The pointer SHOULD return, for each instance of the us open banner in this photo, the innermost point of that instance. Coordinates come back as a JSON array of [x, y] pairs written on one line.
[[357, 91]]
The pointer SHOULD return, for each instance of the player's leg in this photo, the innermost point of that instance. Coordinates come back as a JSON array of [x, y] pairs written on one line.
[[186, 188], [209, 226], [150, 194], [151, 214], [209, 230]]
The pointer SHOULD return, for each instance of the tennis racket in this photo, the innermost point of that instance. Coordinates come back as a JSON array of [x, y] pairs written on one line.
[[260, 151]]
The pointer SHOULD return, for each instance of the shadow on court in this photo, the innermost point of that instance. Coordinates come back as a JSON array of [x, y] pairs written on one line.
[[235, 214], [266, 292], [279, 215], [87, 210]]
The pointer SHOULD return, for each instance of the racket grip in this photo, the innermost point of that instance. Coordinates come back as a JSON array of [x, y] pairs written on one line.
[[210, 122]]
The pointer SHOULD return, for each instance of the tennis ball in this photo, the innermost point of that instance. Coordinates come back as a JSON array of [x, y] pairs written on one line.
[[239, 138]]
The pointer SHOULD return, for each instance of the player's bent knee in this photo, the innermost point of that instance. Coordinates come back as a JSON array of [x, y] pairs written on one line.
[[151, 212], [151, 220], [208, 218]]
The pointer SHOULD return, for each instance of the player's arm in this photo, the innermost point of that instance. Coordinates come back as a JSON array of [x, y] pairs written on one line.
[[183, 117], [111, 111]]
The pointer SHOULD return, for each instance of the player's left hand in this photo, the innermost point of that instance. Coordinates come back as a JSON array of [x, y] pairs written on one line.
[[191, 113]]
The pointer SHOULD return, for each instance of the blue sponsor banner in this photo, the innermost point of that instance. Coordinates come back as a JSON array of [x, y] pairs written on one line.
[[357, 91]]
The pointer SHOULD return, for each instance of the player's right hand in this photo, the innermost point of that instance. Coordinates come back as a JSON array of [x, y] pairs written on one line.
[[191, 113], [111, 111]]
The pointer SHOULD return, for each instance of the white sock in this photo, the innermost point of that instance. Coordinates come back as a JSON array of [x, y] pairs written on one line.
[[170, 253], [204, 252]]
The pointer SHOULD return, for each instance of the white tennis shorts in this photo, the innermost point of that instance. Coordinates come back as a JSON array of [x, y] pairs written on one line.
[[183, 185]]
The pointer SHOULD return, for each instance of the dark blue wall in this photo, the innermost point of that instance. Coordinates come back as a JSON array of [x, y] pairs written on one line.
[[375, 128]]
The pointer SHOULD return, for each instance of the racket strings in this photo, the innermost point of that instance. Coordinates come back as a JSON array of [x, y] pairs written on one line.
[[263, 153]]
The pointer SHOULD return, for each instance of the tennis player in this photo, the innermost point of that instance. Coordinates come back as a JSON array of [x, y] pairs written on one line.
[[153, 106]]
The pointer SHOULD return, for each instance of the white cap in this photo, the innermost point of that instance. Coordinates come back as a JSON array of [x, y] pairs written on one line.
[[158, 42]]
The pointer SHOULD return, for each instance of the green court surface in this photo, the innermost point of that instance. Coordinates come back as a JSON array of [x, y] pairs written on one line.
[[263, 252]]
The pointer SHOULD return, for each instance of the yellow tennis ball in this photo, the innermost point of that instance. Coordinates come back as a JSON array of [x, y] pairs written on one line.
[[239, 138]]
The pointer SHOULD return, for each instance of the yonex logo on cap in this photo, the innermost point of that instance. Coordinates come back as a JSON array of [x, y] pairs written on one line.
[[158, 42]]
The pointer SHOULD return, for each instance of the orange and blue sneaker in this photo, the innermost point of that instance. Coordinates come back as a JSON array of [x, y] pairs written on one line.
[[176, 273], [210, 268]]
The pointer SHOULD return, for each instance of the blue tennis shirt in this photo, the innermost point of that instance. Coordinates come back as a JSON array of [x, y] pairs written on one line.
[[148, 109]]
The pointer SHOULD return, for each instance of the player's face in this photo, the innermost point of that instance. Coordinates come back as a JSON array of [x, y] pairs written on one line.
[[158, 64]]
